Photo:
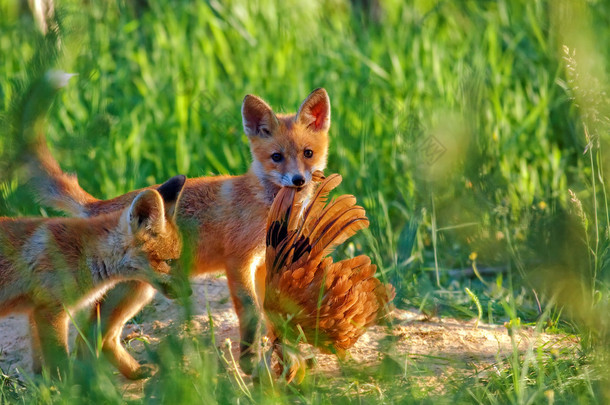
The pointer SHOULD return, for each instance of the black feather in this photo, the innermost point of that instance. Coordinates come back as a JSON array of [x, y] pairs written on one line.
[[277, 232], [301, 247]]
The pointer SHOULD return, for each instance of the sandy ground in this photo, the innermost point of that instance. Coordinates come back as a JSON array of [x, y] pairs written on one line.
[[437, 345]]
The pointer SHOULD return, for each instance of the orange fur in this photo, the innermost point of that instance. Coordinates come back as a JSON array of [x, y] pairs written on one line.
[[223, 216], [48, 266]]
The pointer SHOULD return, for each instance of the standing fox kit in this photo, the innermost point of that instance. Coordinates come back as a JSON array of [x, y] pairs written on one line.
[[49, 266], [224, 216]]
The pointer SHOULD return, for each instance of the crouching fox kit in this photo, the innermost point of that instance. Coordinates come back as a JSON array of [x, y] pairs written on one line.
[[51, 265], [224, 216]]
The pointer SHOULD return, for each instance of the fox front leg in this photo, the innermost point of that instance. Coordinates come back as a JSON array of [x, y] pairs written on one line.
[[52, 330], [242, 288], [121, 304], [130, 298], [36, 350]]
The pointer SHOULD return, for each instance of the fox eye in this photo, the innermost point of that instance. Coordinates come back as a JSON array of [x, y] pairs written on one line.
[[308, 153], [276, 157]]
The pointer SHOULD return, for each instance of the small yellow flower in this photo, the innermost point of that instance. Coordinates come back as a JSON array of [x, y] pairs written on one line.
[[473, 256], [550, 396], [265, 342], [542, 205]]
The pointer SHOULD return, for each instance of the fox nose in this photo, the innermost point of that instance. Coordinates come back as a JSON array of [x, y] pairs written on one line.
[[298, 180]]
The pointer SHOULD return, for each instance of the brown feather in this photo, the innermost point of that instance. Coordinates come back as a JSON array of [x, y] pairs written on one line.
[[307, 294]]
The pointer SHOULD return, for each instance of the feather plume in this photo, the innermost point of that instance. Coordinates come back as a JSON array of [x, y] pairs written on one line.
[[308, 296]]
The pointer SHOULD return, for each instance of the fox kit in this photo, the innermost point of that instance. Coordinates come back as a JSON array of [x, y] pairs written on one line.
[[49, 266], [222, 217]]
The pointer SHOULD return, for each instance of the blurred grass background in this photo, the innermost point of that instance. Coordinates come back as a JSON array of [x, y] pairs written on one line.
[[473, 132]]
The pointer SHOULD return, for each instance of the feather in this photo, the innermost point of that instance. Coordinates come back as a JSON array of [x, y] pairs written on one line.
[[320, 195], [338, 230], [307, 295], [342, 202]]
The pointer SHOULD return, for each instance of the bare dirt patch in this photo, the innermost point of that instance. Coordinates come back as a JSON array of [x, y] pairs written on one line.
[[438, 345]]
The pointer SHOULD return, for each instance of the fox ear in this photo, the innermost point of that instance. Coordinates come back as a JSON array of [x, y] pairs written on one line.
[[258, 118], [170, 192], [314, 113], [146, 212]]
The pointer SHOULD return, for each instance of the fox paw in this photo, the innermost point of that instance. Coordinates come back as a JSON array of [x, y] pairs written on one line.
[[246, 362], [145, 370]]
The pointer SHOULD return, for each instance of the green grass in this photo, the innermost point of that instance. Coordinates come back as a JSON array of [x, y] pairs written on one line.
[[460, 126]]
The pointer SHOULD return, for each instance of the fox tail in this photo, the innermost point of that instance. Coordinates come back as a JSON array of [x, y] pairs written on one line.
[[52, 186]]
